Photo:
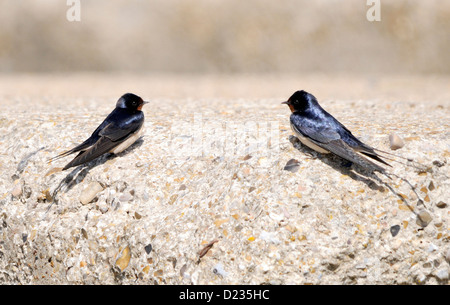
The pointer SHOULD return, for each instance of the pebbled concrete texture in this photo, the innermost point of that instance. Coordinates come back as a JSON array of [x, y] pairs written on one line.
[[218, 191]]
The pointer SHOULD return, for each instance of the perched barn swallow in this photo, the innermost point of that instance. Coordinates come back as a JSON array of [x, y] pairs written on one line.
[[321, 132], [121, 128]]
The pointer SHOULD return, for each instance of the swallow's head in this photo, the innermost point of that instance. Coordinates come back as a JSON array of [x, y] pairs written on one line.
[[131, 102], [300, 101]]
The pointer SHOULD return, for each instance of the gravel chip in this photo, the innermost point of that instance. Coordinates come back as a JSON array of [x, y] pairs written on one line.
[[395, 141]]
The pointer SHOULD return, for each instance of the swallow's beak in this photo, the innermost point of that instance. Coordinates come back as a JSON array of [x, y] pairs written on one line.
[[142, 105], [290, 105]]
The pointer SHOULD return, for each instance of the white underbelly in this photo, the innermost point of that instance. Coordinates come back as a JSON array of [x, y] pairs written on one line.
[[125, 144], [307, 142]]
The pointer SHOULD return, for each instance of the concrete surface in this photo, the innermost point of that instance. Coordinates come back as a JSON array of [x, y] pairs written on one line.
[[204, 196]]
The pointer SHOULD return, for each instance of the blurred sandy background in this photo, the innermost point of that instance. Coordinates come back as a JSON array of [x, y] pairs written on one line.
[[232, 36], [229, 63]]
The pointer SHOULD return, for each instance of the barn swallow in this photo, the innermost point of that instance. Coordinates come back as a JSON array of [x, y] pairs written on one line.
[[321, 132], [121, 128]]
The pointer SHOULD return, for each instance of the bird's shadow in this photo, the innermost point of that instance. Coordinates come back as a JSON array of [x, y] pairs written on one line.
[[343, 166], [359, 174], [80, 172]]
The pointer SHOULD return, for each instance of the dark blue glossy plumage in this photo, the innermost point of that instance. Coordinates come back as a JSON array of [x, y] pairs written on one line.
[[312, 122], [123, 122]]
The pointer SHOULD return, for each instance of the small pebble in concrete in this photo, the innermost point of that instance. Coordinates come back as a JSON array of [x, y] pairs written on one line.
[[90, 192], [395, 141], [394, 230]]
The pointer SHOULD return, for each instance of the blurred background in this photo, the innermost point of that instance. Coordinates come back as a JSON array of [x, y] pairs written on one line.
[[225, 36]]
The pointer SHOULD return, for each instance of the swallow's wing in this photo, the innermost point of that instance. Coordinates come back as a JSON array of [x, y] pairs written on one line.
[[359, 146], [328, 139], [340, 148], [369, 152], [83, 146], [110, 137], [86, 144], [313, 130], [103, 145], [347, 136], [116, 132]]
